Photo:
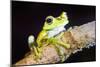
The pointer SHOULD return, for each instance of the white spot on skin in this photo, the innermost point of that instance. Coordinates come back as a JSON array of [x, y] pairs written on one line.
[[30, 39]]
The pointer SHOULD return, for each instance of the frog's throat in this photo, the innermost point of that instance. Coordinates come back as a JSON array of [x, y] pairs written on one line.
[[55, 31]]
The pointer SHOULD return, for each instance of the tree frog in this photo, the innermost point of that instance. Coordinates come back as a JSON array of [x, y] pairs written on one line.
[[53, 29]]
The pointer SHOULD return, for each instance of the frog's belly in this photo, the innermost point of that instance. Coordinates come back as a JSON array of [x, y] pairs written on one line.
[[55, 31]]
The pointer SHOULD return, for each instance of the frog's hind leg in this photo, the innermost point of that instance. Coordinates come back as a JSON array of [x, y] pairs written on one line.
[[33, 47], [65, 45], [60, 52], [36, 52], [59, 47], [60, 42]]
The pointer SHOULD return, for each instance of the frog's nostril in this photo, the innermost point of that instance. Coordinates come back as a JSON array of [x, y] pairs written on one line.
[[49, 20]]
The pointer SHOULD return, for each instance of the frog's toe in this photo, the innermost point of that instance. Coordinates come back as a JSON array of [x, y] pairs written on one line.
[[40, 52], [62, 58]]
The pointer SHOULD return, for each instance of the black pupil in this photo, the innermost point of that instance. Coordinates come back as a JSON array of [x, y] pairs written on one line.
[[49, 20]]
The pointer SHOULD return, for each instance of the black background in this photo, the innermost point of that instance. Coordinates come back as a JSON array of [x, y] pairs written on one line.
[[28, 18]]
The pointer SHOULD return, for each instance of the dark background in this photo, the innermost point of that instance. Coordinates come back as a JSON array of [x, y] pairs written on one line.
[[28, 18]]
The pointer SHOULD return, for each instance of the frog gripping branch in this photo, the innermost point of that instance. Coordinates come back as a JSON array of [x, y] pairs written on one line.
[[78, 37], [52, 31]]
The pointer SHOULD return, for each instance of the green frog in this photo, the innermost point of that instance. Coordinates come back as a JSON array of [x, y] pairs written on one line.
[[53, 29]]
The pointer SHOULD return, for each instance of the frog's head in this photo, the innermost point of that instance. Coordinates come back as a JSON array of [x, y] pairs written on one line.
[[52, 22]]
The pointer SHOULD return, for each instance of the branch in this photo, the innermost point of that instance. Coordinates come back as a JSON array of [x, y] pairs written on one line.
[[78, 37]]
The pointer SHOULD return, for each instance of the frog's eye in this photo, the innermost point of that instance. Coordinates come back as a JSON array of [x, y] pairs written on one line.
[[49, 20]]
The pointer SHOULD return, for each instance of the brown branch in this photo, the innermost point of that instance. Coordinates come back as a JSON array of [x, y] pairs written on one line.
[[78, 37]]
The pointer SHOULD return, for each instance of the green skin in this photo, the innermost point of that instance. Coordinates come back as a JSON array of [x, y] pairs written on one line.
[[50, 25]]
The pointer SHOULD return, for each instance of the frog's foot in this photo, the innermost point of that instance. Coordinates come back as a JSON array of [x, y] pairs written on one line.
[[60, 52], [38, 52], [33, 47]]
